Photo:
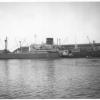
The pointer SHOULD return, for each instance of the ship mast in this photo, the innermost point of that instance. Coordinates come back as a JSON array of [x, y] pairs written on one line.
[[92, 45], [76, 45], [20, 45], [35, 38], [59, 41], [6, 43]]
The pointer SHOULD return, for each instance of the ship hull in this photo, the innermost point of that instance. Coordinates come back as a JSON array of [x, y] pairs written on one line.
[[29, 56], [94, 54], [76, 55]]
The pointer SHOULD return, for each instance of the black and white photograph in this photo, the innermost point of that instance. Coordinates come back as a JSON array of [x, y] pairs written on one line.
[[50, 50]]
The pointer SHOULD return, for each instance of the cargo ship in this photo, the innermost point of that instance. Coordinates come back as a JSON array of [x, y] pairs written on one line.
[[34, 51], [49, 51]]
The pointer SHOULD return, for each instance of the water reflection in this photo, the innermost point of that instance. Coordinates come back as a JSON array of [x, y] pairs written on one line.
[[4, 80], [66, 78], [51, 78]]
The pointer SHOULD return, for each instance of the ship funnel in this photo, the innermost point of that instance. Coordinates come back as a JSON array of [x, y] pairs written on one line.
[[49, 41]]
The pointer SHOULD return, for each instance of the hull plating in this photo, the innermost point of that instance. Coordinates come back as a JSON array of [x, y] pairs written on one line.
[[29, 56]]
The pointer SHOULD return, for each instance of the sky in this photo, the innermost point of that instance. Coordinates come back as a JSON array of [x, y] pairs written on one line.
[[32, 22]]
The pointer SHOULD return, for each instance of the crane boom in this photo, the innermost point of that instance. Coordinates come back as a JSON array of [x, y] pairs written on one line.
[[91, 44]]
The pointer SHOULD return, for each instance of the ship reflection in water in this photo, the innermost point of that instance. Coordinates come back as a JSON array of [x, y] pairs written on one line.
[[61, 78]]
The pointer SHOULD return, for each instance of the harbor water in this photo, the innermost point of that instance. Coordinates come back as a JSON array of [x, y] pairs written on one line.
[[47, 79]]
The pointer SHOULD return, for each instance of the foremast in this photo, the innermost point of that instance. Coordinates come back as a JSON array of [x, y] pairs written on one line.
[[6, 43]]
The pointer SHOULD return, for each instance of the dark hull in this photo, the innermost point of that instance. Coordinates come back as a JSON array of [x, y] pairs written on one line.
[[91, 54], [95, 54], [49, 55], [75, 55], [29, 56]]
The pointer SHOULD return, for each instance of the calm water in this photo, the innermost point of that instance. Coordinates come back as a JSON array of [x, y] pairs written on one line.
[[61, 78]]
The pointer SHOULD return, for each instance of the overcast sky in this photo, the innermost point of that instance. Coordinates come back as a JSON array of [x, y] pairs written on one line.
[[68, 21]]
